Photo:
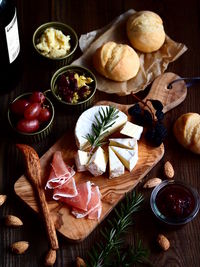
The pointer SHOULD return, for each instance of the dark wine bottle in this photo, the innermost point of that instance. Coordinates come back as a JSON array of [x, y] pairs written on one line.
[[10, 65]]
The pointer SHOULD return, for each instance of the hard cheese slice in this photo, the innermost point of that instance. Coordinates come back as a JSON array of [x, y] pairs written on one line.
[[132, 130], [84, 125], [130, 143], [128, 157], [116, 168], [97, 163]]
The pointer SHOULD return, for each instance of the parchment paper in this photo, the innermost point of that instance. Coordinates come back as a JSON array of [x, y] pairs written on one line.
[[152, 64]]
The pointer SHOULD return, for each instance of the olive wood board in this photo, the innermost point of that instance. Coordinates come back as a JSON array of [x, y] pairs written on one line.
[[112, 190]]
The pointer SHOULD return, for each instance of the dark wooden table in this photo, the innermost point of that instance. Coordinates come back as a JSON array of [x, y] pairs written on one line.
[[182, 23]]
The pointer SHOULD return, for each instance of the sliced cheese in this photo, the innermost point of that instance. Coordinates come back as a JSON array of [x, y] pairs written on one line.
[[116, 168], [132, 130], [97, 163], [81, 160], [130, 143], [85, 121], [128, 157]]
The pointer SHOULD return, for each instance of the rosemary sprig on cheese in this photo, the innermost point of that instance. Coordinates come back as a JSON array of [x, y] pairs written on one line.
[[103, 121]]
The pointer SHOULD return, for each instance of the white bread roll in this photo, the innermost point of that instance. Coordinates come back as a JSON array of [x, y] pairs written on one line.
[[145, 31], [118, 62], [187, 131]]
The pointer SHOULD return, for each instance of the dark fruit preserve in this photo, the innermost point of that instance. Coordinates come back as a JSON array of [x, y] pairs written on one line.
[[175, 201]]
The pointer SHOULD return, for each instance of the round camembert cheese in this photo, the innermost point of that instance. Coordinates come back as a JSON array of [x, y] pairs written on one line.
[[85, 121]]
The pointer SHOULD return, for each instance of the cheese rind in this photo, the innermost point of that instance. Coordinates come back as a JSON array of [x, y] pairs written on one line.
[[85, 121], [129, 143], [81, 160], [132, 130], [97, 163], [128, 157], [116, 168]]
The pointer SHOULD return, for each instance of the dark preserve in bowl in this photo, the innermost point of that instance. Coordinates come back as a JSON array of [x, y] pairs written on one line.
[[174, 202]]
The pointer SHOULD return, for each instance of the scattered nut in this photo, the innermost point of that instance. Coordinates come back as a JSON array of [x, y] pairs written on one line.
[[163, 242], [152, 183], [80, 262], [19, 247], [168, 170], [11, 220], [2, 199], [50, 258]]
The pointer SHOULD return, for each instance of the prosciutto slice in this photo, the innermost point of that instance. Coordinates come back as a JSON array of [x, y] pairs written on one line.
[[94, 203], [66, 190], [82, 199], [60, 172], [96, 213]]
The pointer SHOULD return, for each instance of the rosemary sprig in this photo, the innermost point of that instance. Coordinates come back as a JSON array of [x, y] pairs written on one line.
[[105, 120], [101, 256]]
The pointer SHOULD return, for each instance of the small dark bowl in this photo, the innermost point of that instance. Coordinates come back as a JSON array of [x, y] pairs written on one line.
[[67, 30], [182, 188], [82, 105], [37, 136]]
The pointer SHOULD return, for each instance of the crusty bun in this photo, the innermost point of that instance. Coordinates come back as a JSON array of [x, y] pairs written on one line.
[[187, 131], [145, 31], [118, 62]]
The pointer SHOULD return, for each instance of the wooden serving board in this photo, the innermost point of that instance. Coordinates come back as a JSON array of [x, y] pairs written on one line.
[[112, 190]]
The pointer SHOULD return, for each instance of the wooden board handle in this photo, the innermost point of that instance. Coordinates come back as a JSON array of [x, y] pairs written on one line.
[[170, 98]]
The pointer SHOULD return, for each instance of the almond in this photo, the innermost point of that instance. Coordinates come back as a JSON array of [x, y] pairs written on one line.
[[163, 242], [11, 220], [2, 199], [80, 262], [168, 170], [152, 182], [50, 258], [19, 247]]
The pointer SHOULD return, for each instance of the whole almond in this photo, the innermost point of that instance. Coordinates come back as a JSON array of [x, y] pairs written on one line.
[[80, 262], [2, 199], [163, 242], [19, 247], [11, 220], [152, 182], [168, 170], [50, 258]]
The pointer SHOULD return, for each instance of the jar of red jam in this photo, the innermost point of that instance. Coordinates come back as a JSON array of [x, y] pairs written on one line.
[[174, 202]]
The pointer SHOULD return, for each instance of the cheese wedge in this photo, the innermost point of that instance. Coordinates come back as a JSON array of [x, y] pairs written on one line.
[[128, 157], [85, 121], [130, 143], [116, 168], [97, 163], [132, 130], [81, 160]]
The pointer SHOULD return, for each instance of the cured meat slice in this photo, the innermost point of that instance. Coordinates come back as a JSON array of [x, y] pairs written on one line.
[[82, 199], [94, 203], [59, 165], [53, 181], [60, 172], [66, 190], [96, 213]]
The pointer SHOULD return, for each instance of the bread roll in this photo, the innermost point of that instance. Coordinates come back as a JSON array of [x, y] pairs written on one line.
[[187, 131], [118, 62], [145, 31]]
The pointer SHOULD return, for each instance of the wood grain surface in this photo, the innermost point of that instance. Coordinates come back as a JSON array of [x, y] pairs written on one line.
[[181, 22]]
